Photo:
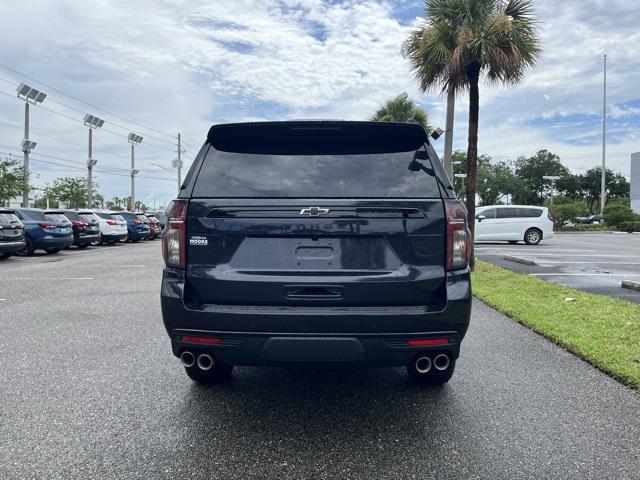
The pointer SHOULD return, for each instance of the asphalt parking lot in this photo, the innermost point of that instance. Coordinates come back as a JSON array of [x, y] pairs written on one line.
[[89, 389], [595, 263]]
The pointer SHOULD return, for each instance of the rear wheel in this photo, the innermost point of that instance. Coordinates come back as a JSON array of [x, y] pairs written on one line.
[[532, 236], [52, 251], [422, 369], [217, 373], [28, 249]]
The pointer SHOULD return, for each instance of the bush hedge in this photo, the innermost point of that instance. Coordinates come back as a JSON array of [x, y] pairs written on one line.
[[629, 226]]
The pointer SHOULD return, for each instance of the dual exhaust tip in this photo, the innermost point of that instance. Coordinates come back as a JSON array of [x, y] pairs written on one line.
[[204, 361], [424, 364]]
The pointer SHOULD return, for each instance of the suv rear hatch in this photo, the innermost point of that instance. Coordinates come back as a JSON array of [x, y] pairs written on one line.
[[305, 214]]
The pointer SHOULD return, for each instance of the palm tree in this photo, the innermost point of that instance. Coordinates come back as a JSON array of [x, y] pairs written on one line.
[[402, 109], [464, 40]]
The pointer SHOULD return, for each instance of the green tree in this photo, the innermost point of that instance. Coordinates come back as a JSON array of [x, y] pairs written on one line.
[[532, 170], [495, 180], [565, 212], [402, 109], [464, 40], [72, 192], [616, 213], [11, 180]]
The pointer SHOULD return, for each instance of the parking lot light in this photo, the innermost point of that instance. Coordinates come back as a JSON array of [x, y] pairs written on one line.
[[92, 122], [134, 140], [30, 96]]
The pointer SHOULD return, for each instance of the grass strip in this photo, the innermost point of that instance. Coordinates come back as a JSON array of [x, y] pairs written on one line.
[[602, 330]]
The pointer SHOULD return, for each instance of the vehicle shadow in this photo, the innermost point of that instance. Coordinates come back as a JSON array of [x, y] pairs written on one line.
[[298, 417]]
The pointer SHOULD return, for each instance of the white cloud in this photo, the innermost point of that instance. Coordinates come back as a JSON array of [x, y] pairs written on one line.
[[182, 65]]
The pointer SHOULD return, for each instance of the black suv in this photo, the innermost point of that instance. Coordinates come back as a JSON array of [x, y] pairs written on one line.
[[316, 243], [11, 234]]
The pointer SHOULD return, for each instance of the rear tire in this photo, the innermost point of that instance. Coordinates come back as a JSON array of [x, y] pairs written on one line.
[[218, 373], [51, 251], [433, 376], [532, 236], [28, 249]]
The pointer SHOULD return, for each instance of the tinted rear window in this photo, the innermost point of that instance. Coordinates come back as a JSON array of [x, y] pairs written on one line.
[[71, 215], [33, 214], [56, 217], [375, 175], [8, 218], [87, 217], [117, 217]]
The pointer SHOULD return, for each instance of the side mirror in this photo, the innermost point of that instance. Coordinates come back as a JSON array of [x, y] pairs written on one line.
[[480, 217]]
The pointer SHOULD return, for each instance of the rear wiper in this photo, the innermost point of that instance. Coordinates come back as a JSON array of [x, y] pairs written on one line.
[[416, 166]]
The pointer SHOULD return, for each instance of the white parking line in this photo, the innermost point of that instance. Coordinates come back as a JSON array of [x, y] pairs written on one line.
[[47, 278], [584, 274], [588, 262]]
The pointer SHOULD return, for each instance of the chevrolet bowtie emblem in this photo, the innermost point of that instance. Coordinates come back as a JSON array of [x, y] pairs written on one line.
[[314, 211]]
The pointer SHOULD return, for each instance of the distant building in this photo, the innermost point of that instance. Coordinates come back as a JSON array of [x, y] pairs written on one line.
[[635, 182]]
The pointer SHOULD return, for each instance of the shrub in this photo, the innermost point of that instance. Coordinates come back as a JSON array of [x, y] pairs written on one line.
[[617, 213], [584, 227], [630, 226], [567, 212]]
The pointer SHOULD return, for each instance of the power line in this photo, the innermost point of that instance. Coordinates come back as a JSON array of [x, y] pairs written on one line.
[[86, 103]]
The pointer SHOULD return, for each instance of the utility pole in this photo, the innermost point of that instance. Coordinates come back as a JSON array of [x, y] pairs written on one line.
[[553, 179], [179, 164], [29, 95], [448, 134], [26, 150], [134, 140], [603, 178]]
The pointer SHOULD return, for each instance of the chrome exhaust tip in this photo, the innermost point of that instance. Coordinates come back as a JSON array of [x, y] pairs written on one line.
[[187, 358], [441, 362], [423, 364], [205, 361]]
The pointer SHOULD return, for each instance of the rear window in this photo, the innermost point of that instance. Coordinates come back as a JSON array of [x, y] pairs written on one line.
[[71, 215], [128, 216], [33, 214], [87, 217], [143, 218], [370, 175], [116, 216], [8, 218], [56, 217]]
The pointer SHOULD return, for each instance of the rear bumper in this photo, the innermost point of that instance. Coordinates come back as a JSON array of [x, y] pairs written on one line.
[[114, 237], [258, 335], [86, 239], [12, 247], [53, 242], [138, 235]]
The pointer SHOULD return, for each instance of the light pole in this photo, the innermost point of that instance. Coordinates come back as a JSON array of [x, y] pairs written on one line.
[[29, 95], [179, 162], [553, 179], [134, 140], [462, 176], [92, 122], [603, 191]]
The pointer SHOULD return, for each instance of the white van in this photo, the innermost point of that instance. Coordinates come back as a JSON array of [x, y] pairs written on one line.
[[513, 223]]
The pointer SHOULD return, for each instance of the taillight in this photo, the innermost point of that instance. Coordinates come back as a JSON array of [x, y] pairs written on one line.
[[137, 222], [78, 223], [173, 239], [425, 342], [458, 238], [47, 226], [553, 219]]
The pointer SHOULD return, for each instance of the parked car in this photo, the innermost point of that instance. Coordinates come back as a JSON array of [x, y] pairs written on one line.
[[154, 226], [44, 232], [137, 227], [84, 225], [162, 218], [11, 234], [113, 226], [317, 243], [513, 223]]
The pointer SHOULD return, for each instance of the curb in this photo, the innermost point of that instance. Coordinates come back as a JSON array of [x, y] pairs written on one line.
[[523, 260], [586, 232], [631, 285]]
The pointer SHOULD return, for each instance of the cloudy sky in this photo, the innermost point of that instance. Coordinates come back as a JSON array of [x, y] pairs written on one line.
[[162, 67]]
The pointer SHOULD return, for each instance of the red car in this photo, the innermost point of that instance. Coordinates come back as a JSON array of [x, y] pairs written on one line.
[[154, 226]]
